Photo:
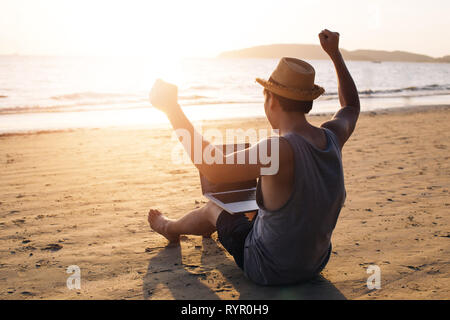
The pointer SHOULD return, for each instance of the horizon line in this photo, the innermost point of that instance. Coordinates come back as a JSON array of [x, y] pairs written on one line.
[[216, 55]]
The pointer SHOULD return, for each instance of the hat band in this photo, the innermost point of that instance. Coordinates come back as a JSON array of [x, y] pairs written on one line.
[[282, 85], [275, 82]]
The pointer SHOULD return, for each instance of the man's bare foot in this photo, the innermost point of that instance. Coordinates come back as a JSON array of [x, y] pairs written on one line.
[[159, 223]]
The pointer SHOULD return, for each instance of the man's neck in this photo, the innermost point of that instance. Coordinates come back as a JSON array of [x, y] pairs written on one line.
[[293, 122]]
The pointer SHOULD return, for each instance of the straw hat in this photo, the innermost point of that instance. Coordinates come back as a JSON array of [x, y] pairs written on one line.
[[293, 79]]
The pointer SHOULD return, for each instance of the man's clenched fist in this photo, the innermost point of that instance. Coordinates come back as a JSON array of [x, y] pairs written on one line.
[[164, 96], [329, 42]]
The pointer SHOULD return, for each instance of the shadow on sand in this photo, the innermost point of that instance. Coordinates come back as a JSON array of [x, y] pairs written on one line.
[[168, 277]]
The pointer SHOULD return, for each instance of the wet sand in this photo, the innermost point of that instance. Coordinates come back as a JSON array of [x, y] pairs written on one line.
[[81, 198]]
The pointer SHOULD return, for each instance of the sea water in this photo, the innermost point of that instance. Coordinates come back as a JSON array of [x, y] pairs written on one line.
[[52, 93]]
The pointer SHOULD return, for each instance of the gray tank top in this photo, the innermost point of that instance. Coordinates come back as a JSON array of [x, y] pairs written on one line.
[[293, 243]]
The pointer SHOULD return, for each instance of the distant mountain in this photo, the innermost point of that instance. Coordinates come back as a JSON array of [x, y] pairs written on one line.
[[444, 59], [315, 52]]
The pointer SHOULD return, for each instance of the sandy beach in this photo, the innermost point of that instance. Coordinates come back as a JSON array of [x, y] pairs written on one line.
[[81, 198]]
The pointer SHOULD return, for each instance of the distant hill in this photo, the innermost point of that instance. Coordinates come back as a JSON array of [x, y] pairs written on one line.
[[315, 52], [444, 59]]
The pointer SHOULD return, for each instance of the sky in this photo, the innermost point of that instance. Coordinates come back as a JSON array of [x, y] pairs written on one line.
[[201, 28]]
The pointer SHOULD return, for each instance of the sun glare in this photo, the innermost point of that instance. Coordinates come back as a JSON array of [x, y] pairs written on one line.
[[170, 28]]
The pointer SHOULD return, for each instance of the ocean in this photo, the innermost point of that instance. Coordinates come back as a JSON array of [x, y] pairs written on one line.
[[54, 93]]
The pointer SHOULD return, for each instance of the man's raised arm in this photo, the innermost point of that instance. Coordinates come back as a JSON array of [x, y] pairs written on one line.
[[344, 121], [225, 168]]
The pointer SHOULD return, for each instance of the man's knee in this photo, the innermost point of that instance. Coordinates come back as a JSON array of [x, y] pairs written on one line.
[[212, 211], [212, 207]]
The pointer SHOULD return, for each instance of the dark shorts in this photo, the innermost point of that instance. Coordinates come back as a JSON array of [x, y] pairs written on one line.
[[232, 230]]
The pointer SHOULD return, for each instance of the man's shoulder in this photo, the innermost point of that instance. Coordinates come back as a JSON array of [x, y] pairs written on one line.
[[276, 144], [343, 123]]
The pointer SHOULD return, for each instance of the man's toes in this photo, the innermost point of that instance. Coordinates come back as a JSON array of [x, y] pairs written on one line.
[[154, 212], [151, 216]]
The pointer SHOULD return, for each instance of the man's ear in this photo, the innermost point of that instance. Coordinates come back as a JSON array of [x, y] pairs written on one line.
[[273, 102]]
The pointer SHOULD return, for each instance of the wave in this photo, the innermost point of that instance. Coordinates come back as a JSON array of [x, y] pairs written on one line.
[[75, 106], [214, 102], [93, 101], [192, 97], [203, 87], [426, 88], [88, 95], [108, 105], [68, 108]]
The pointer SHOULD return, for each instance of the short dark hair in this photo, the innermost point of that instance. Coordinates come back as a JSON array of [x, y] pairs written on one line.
[[289, 105]]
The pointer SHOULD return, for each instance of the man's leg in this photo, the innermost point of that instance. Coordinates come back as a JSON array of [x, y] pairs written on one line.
[[201, 221]]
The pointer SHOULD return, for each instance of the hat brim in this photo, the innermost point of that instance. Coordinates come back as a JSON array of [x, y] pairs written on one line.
[[292, 93]]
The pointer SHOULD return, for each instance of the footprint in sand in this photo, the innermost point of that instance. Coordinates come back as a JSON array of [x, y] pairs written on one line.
[[19, 221], [53, 247], [177, 171]]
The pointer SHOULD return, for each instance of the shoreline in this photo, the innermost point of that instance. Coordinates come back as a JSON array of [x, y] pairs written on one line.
[[81, 198], [387, 110]]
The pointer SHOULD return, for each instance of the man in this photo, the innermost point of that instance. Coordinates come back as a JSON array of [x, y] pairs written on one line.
[[289, 239]]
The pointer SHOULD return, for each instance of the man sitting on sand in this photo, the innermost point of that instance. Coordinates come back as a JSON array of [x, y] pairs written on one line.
[[289, 240]]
